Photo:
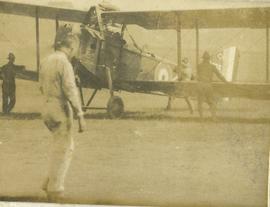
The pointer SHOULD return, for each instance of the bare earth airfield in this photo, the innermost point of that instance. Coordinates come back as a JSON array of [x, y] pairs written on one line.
[[150, 156]]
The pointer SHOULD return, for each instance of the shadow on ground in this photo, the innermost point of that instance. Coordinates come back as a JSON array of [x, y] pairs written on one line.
[[20, 116], [141, 116], [23, 199]]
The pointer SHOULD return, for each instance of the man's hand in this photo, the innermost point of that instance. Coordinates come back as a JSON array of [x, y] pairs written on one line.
[[82, 124]]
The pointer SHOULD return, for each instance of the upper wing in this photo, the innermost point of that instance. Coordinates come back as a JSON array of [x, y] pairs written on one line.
[[190, 88], [70, 15], [254, 16]]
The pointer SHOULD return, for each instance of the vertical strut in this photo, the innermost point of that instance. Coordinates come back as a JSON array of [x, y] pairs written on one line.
[[109, 79], [179, 44], [37, 39], [267, 51], [92, 97], [56, 23], [197, 44]]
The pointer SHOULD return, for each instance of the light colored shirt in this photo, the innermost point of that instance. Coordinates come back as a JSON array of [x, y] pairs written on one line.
[[57, 84], [186, 72]]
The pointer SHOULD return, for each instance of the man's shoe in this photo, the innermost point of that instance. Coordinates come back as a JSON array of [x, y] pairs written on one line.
[[55, 197]]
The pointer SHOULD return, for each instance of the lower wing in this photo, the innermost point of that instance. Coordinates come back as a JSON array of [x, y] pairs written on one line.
[[191, 88]]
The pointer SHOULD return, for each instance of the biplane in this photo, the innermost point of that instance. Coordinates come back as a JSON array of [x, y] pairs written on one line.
[[106, 60]]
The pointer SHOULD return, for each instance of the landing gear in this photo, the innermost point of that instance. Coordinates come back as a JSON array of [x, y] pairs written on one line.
[[115, 107]]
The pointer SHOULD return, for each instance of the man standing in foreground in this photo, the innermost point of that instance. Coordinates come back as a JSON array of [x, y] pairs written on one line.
[[61, 99], [205, 74], [9, 85]]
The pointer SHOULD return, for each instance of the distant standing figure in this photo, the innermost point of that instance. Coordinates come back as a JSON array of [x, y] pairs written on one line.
[[205, 74], [185, 75], [9, 85], [186, 70], [61, 100]]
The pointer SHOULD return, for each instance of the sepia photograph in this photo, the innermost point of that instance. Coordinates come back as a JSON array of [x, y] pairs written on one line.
[[135, 103]]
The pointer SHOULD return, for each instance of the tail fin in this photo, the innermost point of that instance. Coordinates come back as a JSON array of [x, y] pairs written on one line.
[[230, 60]]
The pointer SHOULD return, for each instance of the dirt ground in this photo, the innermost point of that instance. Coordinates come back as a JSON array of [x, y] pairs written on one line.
[[149, 157]]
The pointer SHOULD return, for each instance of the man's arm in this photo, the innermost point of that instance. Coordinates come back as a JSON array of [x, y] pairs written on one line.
[[3, 72], [71, 93], [70, 89], [19, 67]]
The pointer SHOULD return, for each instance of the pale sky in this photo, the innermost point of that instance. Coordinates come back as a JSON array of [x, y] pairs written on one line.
[[156, 4]]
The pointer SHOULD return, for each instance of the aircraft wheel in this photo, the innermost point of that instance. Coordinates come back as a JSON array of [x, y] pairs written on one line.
[[115, 107]]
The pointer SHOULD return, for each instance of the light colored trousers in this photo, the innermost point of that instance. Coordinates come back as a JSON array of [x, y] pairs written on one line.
[[61, 150]]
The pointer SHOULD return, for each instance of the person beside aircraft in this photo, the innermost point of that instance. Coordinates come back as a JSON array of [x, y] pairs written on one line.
[[9, 84], [61, 100], [186, 70], [205, 74], [185, 75]]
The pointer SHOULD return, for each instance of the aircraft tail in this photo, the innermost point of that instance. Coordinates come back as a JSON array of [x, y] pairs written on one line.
[[230, 61]]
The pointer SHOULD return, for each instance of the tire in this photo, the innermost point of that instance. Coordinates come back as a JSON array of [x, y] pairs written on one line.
[[115, 107]]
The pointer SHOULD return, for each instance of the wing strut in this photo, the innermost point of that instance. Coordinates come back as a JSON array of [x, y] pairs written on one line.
[[197, 44], [267, 51], [56, 23], [179, 44], [37, 40]]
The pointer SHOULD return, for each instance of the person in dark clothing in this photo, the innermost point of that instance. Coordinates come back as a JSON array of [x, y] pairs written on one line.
[[9, 86], [205, 74]]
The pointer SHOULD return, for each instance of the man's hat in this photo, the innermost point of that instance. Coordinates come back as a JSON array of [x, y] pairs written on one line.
[[206, 56], [184, 62], [11, 56], [63, 32]]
